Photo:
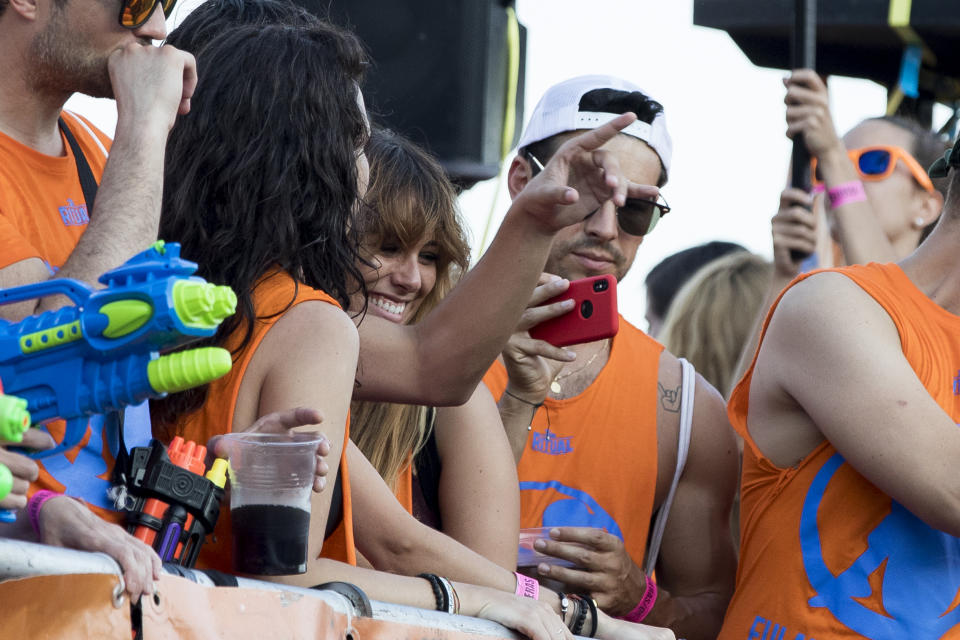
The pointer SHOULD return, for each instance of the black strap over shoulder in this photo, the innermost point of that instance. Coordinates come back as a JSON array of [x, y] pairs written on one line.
[[87, 182]]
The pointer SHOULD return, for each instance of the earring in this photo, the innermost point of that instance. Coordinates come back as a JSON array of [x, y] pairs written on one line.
[[919, 223]]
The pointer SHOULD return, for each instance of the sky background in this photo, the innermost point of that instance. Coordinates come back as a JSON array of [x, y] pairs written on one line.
[[725, 115]]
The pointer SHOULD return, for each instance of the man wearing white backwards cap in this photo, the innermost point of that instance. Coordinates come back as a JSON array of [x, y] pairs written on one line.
[[597, 439]]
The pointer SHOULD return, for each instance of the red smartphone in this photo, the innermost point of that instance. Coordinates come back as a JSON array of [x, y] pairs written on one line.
[[593, 317]]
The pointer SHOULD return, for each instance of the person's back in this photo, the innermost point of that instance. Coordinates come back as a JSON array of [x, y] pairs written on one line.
[[849, 413]]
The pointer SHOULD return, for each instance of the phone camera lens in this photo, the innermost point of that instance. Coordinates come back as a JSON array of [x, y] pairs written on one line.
[[600, 285], [586, 308]]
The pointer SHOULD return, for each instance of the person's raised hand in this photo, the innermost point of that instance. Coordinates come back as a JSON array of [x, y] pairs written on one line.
[[548, 196], [602, 567], [65, 522], [299, 419], [151, 85], [794, 230], [808, 112]]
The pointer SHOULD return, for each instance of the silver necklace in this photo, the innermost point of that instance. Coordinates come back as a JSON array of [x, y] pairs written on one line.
[[555, 386]]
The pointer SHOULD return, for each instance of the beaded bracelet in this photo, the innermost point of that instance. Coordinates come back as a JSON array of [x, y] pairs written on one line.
[[647, 600], [594, 617], [581, 617], [443, 603]]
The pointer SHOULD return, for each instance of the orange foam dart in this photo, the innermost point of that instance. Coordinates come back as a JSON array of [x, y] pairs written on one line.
[[182, 456], [190, 456]]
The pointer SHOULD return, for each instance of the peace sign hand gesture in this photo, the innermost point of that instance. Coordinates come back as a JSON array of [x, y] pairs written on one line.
[[548, 196]]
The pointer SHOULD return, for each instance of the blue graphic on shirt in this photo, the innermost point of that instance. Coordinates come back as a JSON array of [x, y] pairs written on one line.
[[74, 215], [80, 476], [579, 510], [550, 443], [956, 384], [921, 576]]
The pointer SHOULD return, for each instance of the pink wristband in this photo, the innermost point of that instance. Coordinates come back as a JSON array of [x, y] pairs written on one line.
[[527, 587], [35, 504], [846, 193], [647, 600]]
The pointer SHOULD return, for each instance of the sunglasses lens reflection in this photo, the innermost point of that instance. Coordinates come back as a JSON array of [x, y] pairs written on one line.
[[874, 162], [137, 12], [638, 217]]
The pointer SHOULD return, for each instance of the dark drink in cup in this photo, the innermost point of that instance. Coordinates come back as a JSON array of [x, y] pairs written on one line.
[[270, 539], [271, 477]]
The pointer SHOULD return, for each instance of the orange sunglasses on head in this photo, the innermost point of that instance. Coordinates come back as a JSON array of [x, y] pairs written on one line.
[[135, 13], [877, 163]]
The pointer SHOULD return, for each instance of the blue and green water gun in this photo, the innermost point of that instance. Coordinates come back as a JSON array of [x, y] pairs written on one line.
[[14, 421], [103, 353]]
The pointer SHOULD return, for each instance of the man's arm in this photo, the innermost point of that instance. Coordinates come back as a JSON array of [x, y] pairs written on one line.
[[832, 367], [150, 85], [697, 561], [440, 361]]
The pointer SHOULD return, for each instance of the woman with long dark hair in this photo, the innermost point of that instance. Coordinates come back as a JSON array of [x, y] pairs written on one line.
[[261, 182]]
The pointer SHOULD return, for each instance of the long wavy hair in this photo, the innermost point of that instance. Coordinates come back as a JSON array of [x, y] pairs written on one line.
[[212, 17], [409, 197], [262, 173], [713, 314]]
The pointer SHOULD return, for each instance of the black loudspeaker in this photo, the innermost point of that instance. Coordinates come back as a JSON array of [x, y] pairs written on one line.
[[440, 74], [854, 37]]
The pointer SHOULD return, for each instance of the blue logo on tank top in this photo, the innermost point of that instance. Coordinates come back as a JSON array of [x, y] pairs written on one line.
[[919, 568], [74, 215], [83, 477], [551, 444], [578, 510]]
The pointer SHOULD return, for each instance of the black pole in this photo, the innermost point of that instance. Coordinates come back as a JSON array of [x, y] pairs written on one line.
[[804, 56]]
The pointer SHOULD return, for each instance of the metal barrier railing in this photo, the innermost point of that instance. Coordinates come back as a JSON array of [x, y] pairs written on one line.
[[20, 559]]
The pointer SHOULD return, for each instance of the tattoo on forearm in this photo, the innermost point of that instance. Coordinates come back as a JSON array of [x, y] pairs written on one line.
[[669, 398]]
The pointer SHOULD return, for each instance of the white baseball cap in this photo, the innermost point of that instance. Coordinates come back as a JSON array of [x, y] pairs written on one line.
[[559, 111]]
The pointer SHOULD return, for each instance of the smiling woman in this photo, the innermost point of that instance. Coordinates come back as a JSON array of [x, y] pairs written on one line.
[[414, 251]]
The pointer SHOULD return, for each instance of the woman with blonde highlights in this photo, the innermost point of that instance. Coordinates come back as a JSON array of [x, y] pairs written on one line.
[[713, 314], [414, 248]]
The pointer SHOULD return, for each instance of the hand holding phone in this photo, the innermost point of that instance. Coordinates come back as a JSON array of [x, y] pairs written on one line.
[[593, 317]]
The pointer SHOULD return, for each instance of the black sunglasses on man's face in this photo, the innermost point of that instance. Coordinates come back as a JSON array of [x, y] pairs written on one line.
[[637, 216]]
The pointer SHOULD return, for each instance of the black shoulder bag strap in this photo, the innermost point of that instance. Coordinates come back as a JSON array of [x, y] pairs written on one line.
[[89, 185], [87, 182]]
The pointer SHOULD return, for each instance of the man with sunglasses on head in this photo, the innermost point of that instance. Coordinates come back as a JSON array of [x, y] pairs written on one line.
[[850, 513], [596, 439], [52, 165]]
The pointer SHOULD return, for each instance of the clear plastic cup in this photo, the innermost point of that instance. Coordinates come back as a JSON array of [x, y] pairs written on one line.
[[528, 556], [271, 477]]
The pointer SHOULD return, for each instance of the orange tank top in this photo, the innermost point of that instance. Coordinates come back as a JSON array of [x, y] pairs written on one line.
[[824, 553], [271, 297], [43, 211], [591, 460]]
